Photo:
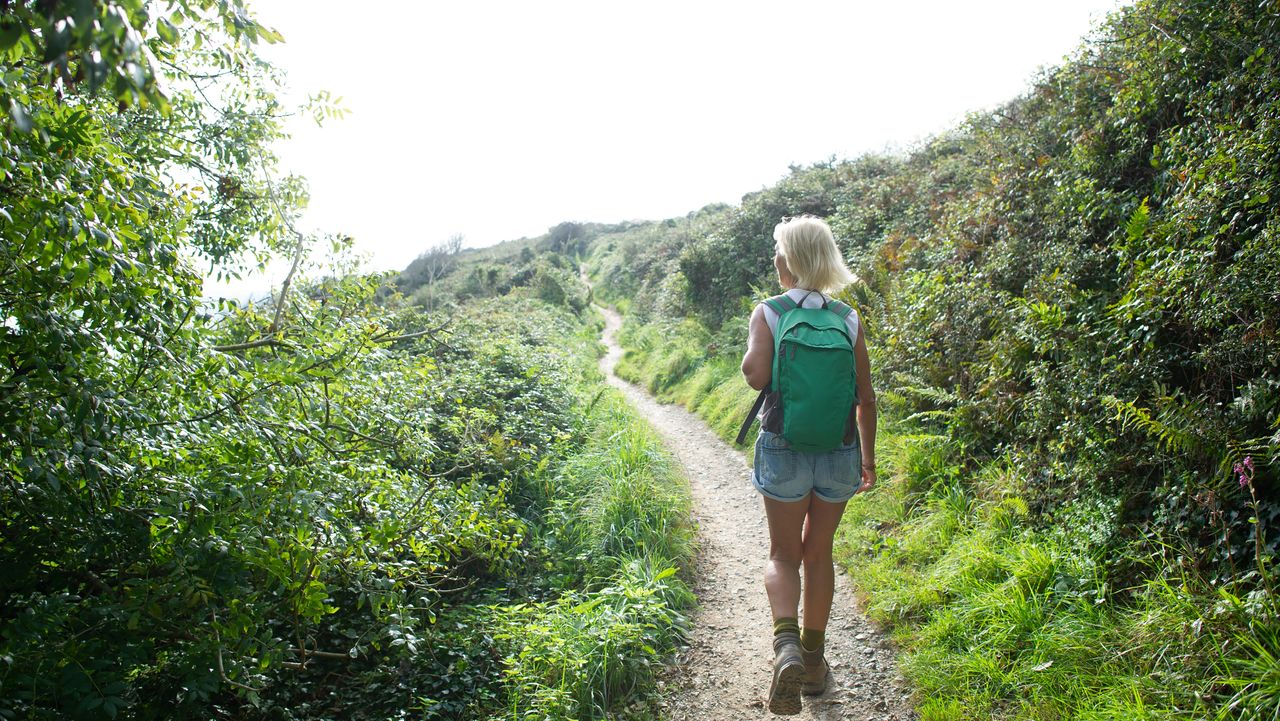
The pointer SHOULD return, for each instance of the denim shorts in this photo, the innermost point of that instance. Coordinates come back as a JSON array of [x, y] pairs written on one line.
[[786, 475]]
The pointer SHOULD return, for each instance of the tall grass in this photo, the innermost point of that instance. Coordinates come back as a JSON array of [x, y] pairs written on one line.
[[1000, 617], [683, 363], [621, 534], [576, 657]]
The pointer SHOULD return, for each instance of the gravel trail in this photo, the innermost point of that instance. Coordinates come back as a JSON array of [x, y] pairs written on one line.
[[724, 673]]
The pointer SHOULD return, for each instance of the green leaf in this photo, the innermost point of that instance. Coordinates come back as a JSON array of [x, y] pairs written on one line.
[[80, 276], [59, 40], [167, 31], [269, 35], [1256, 200], [10, 33], [21, 116]]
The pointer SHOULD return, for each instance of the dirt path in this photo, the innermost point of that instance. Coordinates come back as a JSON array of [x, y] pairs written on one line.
[[724, 674]]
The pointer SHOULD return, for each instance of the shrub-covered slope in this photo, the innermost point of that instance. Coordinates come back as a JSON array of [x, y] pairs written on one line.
[[332, 504]]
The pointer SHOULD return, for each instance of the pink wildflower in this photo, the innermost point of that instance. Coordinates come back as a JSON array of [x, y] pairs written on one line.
[[1244, 471]]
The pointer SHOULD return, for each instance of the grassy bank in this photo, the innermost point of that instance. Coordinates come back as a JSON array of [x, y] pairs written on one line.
[[1004, 615], [682, 365], [601, 602], [617, 528], [1001, 610]]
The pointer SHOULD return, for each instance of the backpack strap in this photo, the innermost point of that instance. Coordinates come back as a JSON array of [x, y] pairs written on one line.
[[751, 417], [778, 304], [781, 303], [839, 308]]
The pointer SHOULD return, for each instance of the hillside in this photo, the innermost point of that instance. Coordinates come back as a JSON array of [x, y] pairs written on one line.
[[1072, 307], [334, 503]]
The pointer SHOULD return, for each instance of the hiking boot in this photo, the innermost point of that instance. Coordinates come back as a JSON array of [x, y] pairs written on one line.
[[788, 674], [815, 672]]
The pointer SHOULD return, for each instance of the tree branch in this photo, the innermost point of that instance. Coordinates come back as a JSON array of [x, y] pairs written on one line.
[[251, 344], [384, 338], [297, 256], [221, 671], [320, 654]]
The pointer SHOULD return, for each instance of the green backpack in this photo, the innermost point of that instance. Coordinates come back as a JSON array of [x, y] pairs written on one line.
[[813, 374]]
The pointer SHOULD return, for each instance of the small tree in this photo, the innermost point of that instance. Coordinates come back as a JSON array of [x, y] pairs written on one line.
[[561, 239], [433, 265]]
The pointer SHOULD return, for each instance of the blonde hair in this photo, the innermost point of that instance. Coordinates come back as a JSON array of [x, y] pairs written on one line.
[[809, 248]]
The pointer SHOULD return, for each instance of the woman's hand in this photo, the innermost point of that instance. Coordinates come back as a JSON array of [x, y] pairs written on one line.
[[868, 478]]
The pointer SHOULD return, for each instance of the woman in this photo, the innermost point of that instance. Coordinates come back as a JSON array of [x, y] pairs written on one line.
[[805, 493]]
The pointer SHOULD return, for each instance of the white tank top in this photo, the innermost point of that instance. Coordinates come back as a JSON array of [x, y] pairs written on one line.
[[814, 299]]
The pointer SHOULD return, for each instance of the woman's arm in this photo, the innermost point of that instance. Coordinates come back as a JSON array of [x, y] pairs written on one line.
[[757, 364], [866, 411]]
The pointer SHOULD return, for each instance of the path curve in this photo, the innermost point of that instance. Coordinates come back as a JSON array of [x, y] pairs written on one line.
[[724, 673]]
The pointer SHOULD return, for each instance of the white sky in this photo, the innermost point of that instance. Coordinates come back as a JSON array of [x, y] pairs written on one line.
[[500, 119]]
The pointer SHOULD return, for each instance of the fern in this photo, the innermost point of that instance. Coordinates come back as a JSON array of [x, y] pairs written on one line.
[[1178, 425], [1261, 450], [937, 395], [1136, 226], [1190, 427], [942, 416]]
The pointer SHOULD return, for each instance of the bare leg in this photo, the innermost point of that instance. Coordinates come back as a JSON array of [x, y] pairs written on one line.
[[819, 570], [786, 552]]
